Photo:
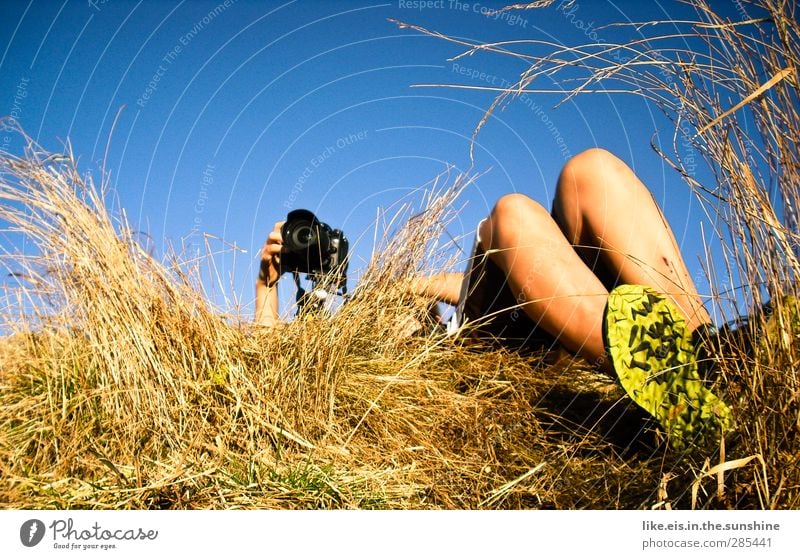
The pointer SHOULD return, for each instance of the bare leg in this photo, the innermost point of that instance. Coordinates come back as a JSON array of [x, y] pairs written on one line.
[[604, 210], [609, 215], [550, 281]]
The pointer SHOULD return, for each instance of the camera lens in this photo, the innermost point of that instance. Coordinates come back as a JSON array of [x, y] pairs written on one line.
[[302, 237]]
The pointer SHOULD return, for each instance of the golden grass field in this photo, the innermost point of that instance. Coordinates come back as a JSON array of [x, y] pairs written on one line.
[[122, 387]]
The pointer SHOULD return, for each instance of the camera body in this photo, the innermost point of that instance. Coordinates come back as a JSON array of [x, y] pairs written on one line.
[[314, 248]]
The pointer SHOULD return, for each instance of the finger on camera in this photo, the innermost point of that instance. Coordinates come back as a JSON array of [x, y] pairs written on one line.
[[277, 229], [270, 250]]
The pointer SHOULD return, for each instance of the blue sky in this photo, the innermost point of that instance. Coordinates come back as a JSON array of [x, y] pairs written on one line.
[[229, 114]]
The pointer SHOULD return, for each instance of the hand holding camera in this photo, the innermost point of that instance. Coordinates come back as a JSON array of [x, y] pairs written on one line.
[[270, 270], [304, 245]]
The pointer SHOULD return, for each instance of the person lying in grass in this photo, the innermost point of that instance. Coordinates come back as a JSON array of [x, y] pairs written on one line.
[[601, 275]]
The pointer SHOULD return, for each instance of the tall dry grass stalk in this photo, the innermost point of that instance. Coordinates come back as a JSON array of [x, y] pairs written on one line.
[[731, 90]]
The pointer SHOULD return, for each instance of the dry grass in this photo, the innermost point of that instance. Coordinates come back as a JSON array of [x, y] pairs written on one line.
[[120, 387]]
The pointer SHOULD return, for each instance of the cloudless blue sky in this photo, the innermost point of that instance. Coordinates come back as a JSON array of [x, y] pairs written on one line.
[[232, 113]]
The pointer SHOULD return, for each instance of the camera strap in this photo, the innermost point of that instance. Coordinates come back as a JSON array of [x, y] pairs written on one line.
[[300, 297]]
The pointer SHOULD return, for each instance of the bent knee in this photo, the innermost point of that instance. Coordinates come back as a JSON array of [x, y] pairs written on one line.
[[591, 159], [516, 207], [511, 212], [592, 172]]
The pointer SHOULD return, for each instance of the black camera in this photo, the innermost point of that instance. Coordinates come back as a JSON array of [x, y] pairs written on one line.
[[312, 247]]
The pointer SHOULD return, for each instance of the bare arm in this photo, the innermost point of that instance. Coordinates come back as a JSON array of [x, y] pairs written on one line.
[[268, 275], [444, 287]]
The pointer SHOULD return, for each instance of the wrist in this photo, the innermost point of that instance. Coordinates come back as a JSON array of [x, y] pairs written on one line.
[[266, 280]]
